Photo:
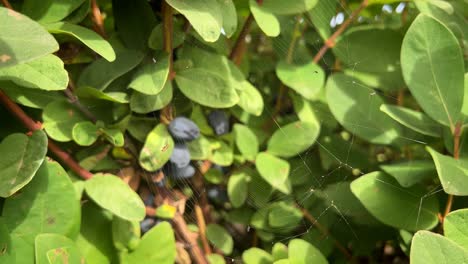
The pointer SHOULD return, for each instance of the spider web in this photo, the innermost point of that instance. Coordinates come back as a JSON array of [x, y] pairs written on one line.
[[313, 194]]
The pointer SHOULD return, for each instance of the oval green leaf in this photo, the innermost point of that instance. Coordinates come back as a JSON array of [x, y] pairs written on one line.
[[414, 120], [59, 119], [45, 73], [157, 148], [220, 238], [453, 174], [405, 208], [246, 141], [267, 22], [274, 170], [150, 78], [88, 37], [454, 227], [22, 39], [85, 133], [431, 248], [292, 139], [62, 250], [356, 107], [435, 81], [411, 172], [306, 79], [113, 194], [25, 156], [302, 252], [237, 188]]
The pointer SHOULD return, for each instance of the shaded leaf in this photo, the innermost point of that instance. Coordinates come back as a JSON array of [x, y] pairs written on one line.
[[302, 252], [88, 37], [22, 158], [55, 248], [274, 170], [246, 141], [453, 174], [306, 79], [237, 188], [150, 78], [59, 119], [49, 10], [292, 139], [220, 238], [410, 172]]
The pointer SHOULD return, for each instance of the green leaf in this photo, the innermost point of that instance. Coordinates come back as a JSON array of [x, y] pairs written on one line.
[[125, 234], [114, 136], [206, 88], [454, 227], [410, 172], [435, 82], [292, 139], [113, 194], [95, 239], [204, 15], [405, 208], [220, 238], [229, 15], [274, 170], [85, 133], [215, 259], [7, 255], [306, 79], [101, 72], [88, 37], [134, 22], [223, 155], [453, 174], [79, 14], [267, 21], [161, 237], [250, 99], [288, 8], [59, 119], [47, 204], [428, 248], [360, 50], [256, 256], [30, 97], [260, 190], [321, 15], [157, 148], [305, 110], [166, 211], [48, 11], [22, 39], [151, 78], [22, 158], [356, 107], [62, 250], [279, 251], [237, 188], [93, 93], [45, 73], [143, 103], [246, 141], [414, 120], [200, 148], [214, 176], [283, 214], [302, 252], [156, 39]]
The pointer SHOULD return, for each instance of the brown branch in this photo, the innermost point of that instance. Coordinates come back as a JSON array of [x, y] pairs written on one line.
[[330, 42], [199, 185], [32, 125], [7, 4], [456, 155], [400, 97], [238, 49], [202, 229], [166, 113], [96, 17], [325, 232]]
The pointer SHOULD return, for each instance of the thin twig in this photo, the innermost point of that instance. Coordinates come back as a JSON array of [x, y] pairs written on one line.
[[7, 4], [330, 42], [166, 114], [456, 155], [32, 125], [96, 17], [238, 49], [324, 231], [198, 184], [202, 229]]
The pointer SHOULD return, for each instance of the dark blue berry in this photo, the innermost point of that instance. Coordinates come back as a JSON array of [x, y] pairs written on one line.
[[217, 195], [183, 129], [178, 173], [149, 200], [219, 122], [180, 156], [147, 224]]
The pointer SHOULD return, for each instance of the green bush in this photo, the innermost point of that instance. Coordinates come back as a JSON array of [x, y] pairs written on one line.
[[220, 131]]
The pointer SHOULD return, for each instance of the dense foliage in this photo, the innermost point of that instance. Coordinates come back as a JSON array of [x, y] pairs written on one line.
[[220, 131]]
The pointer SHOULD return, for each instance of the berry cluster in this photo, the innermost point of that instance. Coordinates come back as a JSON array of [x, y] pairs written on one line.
[[182, 130]]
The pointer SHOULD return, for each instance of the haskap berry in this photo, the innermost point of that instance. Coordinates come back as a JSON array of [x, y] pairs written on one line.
[[182, 128], [178, 173], [180, 156], [219, 122], [147, 224]]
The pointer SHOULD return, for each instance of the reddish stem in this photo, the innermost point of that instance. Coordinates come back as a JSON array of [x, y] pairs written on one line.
[[7, 4], [330, 42], [456, 155], [97, 19], [237, 52], [32, 125]]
